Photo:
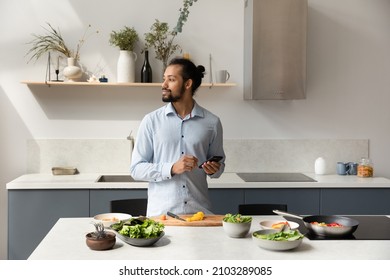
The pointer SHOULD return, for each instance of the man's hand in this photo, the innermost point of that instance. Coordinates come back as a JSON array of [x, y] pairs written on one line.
[[185, 163], [210, 167]]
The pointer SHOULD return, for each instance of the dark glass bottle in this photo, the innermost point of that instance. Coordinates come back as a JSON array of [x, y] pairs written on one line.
[[146, 72]]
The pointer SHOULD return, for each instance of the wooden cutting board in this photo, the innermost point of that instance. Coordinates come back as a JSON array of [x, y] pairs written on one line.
[[208, 221]]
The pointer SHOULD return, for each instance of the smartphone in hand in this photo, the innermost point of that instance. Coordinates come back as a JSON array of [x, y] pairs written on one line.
[[213, 158]]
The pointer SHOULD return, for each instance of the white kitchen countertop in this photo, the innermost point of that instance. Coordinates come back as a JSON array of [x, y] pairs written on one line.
[[66, 241], [227, 180]]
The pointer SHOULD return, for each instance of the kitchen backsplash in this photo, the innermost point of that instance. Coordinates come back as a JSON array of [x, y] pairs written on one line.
[[285, 155], [87, 155], [242, 155]]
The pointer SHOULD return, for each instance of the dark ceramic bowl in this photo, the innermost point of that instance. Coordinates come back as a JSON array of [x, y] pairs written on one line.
[[101, 244]]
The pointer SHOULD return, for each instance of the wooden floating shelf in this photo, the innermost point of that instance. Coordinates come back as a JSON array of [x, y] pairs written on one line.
[[53, 83]]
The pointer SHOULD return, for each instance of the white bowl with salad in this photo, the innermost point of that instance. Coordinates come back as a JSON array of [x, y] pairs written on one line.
[[236, 225], [278, 224], [277, 240], [111, 218]]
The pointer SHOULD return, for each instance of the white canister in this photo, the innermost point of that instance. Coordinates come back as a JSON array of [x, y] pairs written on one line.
[[320, 166]]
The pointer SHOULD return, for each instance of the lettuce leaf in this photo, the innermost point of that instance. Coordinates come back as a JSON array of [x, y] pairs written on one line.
[[288, 235]]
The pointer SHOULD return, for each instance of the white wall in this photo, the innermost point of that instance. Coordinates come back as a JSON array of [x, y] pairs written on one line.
[[348, 86]]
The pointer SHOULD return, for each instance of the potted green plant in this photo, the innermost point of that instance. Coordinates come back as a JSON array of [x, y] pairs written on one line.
[[125, 39], [161, 39]]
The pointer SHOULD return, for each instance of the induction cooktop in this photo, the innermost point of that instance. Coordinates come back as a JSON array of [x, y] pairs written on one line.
[[370, 228], [275, 177]]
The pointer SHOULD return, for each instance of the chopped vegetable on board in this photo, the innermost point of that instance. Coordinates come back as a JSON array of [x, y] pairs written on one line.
[[196, 217]]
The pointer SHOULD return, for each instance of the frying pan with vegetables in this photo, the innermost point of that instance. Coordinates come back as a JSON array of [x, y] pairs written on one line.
[[329, 227]]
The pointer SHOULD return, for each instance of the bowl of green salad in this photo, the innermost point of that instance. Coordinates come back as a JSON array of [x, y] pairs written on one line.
[[140, 232], [236, 225], [277, 240]]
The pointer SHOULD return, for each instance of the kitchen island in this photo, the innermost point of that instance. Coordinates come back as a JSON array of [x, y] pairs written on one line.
[[39, 200], [66, 241]]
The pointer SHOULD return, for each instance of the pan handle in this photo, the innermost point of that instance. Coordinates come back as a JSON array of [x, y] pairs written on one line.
[[282, 213]]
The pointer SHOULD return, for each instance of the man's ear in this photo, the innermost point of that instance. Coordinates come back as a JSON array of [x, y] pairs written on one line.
[[188, 84]]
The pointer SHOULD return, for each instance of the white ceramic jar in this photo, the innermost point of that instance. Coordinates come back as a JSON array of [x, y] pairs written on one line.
[[320, 166]]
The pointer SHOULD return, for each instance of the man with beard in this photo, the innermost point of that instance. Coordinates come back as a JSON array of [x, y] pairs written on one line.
[[173, 144]]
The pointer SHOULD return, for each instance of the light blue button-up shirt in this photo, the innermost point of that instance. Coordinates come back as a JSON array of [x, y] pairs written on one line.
[[163, 137]]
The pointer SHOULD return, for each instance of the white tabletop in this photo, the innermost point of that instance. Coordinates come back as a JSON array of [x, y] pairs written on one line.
[[66, 241]]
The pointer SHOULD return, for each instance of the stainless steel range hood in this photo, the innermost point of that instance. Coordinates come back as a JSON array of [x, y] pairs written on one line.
[[275, 49]]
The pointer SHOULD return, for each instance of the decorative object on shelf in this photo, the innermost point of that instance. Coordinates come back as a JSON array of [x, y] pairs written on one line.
[[146, 71], [222, 76], [57, 73], [161, 39], [211, 70], [53, 41], [48, 70], [103, 79], [129, 87], [93, 79], [126, 67], [125, 39], [72, 72], [100, 239], [57, 69]]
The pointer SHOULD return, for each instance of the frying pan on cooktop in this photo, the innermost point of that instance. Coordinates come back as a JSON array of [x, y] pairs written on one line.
[[348, 225]]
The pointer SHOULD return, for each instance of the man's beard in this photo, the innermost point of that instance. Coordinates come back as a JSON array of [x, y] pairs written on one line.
[[171, 98]]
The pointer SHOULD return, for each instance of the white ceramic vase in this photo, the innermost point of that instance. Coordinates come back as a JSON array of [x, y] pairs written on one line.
[[72, 72], [320, 166], [126, 67]]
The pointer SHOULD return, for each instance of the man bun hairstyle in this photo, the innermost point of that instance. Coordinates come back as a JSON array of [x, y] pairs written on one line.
[[190, 71]]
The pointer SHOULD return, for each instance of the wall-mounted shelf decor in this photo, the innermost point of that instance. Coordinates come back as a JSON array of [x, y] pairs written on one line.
[[98, 84]]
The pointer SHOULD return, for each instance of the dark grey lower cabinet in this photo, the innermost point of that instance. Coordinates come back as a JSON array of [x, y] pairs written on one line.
[[362, 201], [301, 201], [100, 199], [226, 200], [32, 213]]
